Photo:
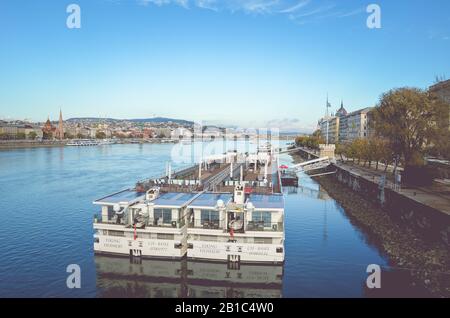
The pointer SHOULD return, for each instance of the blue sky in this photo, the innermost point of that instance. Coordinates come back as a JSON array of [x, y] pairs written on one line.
[[252, 62]]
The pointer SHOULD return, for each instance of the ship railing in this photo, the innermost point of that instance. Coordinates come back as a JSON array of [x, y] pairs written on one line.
[[208, 224], [114, 220], [174, 173], [261, 226], [176, 224]]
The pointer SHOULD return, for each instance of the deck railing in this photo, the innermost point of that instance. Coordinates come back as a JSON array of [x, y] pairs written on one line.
[[264, 226], [210, 225]]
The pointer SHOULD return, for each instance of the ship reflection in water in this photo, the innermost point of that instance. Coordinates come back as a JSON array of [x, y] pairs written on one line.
[[125, 277]]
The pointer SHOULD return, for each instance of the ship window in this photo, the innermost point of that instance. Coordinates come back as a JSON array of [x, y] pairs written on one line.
[[263, 240], [262, 217], [209, 216], [208, 238], [116, 233], [163, 215], [163, 236]]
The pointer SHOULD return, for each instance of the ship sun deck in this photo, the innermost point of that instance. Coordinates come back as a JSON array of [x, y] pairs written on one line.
[[259, 213]]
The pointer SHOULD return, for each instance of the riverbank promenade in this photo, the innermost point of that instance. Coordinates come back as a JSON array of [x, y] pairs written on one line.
[[436, 196]]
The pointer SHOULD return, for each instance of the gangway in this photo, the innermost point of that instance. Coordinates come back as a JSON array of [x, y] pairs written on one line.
[[311, 165], [287, 150]]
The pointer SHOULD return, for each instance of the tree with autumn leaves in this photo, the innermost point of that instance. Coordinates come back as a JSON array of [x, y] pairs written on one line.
[[409, 123], [311, 142], [366, 151], [410, 119]]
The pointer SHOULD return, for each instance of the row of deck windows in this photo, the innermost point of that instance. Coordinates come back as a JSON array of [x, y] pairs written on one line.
[[211, 216], [259, 220]]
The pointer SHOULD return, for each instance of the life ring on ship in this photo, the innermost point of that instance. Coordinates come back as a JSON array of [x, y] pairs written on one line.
[[236, 224]]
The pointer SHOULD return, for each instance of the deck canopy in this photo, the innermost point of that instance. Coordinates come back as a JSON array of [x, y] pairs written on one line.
[[174, 199], [209, 200], [267, 201], [124, 197]]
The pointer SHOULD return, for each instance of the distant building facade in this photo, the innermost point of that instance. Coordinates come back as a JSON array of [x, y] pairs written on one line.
[[358, 124], [330, 125], [344, 126], [48, 130], [19, 131], [163, 132], [442, 90]]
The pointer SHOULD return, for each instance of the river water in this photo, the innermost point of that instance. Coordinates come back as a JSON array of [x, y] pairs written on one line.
[[46, 224]]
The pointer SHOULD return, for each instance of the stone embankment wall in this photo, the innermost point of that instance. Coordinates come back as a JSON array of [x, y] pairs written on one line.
[[11, 144], [432, 224]]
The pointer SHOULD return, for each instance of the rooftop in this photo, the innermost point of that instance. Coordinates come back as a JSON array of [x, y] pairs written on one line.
[[123, 197], [267, 201], [209, 199], [440, 85], [174, 199], [360, 111]]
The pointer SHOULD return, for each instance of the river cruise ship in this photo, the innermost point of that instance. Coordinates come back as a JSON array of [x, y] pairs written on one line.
[[227, 208]]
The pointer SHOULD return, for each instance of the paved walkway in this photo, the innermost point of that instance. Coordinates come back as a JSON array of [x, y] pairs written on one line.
[[436, 196]]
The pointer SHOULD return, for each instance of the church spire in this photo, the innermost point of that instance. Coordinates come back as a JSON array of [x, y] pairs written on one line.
[[341, 111], [60, 131], [327, 106]]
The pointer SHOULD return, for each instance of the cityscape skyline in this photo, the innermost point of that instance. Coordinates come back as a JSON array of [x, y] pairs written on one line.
[[270, 62]]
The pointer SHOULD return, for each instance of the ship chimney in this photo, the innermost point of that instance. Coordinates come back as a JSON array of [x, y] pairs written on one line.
[[239, 195]]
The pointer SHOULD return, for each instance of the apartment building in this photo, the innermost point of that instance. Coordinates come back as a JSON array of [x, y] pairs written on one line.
[[346, 127], [442, 90]]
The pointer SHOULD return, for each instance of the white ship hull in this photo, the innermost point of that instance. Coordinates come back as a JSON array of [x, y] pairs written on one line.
[[146, 243], [195, 250], [149, 248], [236, 252]]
